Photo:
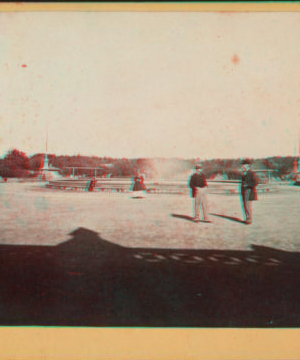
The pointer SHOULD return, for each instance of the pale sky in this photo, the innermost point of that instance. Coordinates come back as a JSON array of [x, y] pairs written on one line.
[[186, 85]]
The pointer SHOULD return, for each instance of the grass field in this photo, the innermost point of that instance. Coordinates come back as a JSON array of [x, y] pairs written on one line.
[[101, 259]]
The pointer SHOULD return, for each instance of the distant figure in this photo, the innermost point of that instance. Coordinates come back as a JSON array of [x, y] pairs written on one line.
[[91, 184], [248, 190], [139, 188], [198, 185]]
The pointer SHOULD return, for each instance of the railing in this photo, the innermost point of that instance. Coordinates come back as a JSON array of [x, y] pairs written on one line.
[[226, 187]]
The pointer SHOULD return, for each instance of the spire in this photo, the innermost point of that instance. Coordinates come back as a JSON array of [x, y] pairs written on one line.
[[46, 137], [299, 152], [297, 155], [46, 162]]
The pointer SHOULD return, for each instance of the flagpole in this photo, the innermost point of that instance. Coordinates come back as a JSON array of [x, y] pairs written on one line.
[[46, 137], [46, 149], [299, 152]]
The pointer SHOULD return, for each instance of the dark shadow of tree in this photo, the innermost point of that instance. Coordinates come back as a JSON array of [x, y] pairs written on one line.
[[88, 281]]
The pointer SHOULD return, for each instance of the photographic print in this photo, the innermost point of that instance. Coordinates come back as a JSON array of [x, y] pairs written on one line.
[[150, 169]]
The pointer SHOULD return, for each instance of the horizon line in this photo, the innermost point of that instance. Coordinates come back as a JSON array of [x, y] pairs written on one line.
[[197, 158]]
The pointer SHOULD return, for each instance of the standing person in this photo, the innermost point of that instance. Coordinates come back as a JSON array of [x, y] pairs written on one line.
[[139, 187], [248, 190], [91, 184], [198, 185]]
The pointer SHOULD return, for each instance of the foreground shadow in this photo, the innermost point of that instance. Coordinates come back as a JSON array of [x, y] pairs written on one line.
[[232, 218], [184, 217], [88, 281]]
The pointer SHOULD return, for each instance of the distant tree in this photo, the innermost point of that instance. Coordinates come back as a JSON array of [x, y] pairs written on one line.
[[285, 165], [228, 163], [36, 161], [15, 164]]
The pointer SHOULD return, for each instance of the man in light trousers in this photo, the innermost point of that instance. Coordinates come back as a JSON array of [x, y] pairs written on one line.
[[198, 185]]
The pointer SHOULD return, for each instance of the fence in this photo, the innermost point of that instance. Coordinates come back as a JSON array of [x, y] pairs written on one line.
[[160, 186]]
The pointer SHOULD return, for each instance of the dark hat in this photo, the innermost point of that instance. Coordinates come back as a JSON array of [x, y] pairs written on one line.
[[246, 162], [198, 166]]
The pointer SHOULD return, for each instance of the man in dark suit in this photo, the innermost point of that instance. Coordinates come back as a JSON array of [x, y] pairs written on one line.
[[248, 190], [198, 185]]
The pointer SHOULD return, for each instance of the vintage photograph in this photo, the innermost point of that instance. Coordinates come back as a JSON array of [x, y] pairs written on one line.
[[150, 169]]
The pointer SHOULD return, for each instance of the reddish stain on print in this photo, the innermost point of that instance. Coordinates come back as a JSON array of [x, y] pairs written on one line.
[[235, 59], [24, 65]]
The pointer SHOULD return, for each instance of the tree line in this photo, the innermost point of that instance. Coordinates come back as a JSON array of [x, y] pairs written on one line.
[[17, 164]]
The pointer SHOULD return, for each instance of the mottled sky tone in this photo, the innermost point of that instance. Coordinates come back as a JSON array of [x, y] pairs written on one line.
[[206, 85]]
